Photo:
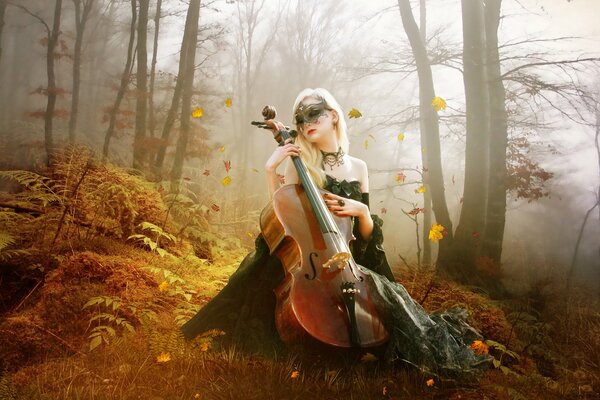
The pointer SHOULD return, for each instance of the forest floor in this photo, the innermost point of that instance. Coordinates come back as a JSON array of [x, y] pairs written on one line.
[[94, 291]]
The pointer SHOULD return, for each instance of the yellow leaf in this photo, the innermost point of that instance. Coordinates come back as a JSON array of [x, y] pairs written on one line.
[[421, 189], [438, 103], [204, 346], [295, 374], [368, 357], [479, 347], [197, 113], [228, 102], [354, 113], [436, 233], [430, 382], [226, 181], [163, 357], [401, 136], [366, 144], [250, 234], [163, 286], [254, 170]]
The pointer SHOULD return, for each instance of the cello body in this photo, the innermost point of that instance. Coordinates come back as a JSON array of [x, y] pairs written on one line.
[[312, 301]]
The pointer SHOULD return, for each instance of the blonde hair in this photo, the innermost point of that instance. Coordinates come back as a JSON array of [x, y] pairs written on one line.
[[311, 156]]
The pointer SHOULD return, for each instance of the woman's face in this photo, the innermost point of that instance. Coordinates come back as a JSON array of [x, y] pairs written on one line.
[[314, 120]]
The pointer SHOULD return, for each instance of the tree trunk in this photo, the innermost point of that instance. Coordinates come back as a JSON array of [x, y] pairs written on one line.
[[124, 82], [49, 116], [430, 134], [496, 203], [172, 114], [2, 11], [427, 195], [188, 89], [151, 122], [141, 109], [81, 18], [467, 239]]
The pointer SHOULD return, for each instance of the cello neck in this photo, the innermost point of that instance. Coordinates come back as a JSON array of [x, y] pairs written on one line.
[[321, 212]]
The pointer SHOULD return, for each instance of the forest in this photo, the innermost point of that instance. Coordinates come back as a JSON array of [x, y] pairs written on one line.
[[132, 182]]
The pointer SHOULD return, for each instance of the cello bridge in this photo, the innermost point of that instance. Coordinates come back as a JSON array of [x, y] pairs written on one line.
[[339, 261]]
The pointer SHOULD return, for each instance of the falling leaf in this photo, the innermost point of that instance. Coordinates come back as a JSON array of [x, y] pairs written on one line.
[[430, 382], [206, 172], [371, 136], [354, 113], [228, 102], [163, 357], [215, 207], [401, 136], [366, 144], [250, 234], [204, 346], [435, 233], [479, 347], [421, 189], [163, 286], [295, 374], [438, 103], [400, 177], [368, 357], [254, 170], [384, 210], [227, 165], [222, 149], [226, 181], [198, 112]]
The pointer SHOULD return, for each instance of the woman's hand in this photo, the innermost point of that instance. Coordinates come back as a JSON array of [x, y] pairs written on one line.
[[343, 207], [281, 152]]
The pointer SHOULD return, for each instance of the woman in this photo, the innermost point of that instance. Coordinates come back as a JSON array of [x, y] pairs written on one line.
[[244, 309]]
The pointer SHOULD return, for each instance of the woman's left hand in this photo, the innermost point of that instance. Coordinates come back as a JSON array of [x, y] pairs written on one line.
[[342, 207]]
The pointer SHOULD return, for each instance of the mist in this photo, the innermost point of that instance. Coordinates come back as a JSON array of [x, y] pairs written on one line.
[[359, 51]]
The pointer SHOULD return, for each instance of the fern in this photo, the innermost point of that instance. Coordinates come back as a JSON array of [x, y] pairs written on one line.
[[105, 333], [7, 389], [6, 239]]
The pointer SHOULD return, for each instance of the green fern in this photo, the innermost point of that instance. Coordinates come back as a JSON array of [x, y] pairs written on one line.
[[105, 333]]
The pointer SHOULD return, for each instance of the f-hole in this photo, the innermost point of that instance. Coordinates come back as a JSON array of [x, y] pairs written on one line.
[[312, 265]]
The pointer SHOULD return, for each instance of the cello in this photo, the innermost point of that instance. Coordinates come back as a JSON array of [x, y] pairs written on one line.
[[325, 296]]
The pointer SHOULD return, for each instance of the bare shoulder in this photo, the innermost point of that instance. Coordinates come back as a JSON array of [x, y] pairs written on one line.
[[360, 170], [358, 166]]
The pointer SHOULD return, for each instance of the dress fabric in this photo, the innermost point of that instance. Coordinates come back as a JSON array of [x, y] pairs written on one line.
[[244, 308]]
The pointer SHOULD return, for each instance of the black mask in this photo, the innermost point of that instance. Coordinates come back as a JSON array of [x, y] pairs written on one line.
[[306, 114]]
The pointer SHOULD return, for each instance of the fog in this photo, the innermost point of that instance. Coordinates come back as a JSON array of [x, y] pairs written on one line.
[[359, 51]]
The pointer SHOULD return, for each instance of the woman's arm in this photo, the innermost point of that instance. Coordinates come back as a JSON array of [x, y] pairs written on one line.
[[280, 154]]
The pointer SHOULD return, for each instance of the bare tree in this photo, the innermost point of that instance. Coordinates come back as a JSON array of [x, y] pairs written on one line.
[[191, 28], [51, 89], [3, 5], [125, 77], [151, 121], [81, 18], [429, 126], [142, 86]]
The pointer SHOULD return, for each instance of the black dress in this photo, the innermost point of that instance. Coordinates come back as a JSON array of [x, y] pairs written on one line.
[[244, 308]]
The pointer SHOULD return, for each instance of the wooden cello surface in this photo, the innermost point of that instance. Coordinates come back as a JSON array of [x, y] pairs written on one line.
[[315, 301]]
